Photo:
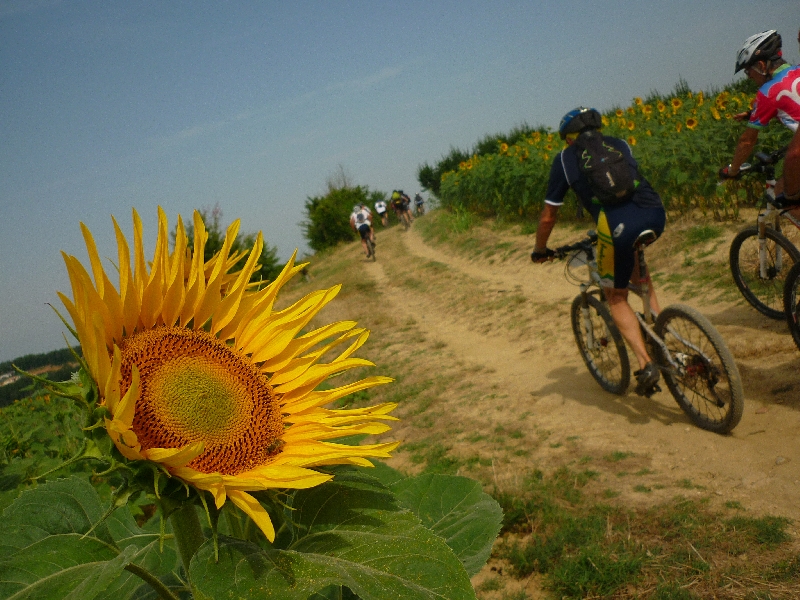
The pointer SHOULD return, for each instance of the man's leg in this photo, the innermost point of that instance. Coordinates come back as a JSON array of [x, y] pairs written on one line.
[[627, 323]]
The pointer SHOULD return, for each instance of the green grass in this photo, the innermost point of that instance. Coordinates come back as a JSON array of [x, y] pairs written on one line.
[[585, 547], [617, 456]]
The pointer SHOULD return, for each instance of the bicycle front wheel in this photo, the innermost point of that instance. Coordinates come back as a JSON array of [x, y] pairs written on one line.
[[704, 379], [791, 302], [600, 344], [761, 284]]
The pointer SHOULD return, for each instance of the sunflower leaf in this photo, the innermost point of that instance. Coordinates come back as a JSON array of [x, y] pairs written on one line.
[[54, 544], [62, 566], [348, 532], [61, 506], [456, 509]]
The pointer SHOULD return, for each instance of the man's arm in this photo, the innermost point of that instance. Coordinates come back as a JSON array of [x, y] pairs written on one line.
[[547, 221], [745, 147]]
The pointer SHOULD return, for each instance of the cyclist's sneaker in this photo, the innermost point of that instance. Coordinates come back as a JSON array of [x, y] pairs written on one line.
[[647, 380]]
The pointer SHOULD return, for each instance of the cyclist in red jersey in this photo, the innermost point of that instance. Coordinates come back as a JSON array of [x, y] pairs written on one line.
[[778, 97]]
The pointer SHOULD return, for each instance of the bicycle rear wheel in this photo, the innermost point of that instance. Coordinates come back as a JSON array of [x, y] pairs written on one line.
[[704, 381], [791, 302], [600, 344], [764, 293], [370, 249]]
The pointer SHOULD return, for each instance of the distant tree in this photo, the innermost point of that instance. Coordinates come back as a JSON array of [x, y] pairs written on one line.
[[430, 178], [328, 217], [268, 264], [33, 361]]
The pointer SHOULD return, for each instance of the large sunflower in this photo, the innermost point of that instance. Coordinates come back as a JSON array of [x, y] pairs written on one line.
[[201, 374]]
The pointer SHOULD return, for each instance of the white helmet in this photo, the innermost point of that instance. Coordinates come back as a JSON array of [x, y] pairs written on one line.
[[761, 46]]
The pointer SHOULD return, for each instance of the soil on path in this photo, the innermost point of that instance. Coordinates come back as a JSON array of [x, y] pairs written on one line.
[[539, 382]]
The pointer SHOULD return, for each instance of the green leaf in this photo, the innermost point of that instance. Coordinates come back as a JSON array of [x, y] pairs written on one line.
[[58, 507], [458, 510], [45, 552], [348, 532], [384, 473], [150, 557], [58, 567]]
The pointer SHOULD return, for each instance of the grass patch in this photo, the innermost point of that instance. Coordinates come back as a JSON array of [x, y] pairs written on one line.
[[617, 456], [585, 547]]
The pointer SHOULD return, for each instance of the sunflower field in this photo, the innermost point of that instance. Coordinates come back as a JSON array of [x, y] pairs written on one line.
[[680, 141]]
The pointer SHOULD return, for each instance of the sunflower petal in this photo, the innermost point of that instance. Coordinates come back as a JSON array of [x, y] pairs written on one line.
[[175, 457], [251, 507]]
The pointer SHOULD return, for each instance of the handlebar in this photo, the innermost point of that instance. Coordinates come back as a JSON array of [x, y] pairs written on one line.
[[766, 162], [585, 244]]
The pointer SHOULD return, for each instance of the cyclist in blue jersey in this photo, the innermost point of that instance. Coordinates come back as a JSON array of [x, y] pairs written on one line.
[[618, 227], [778, 97]]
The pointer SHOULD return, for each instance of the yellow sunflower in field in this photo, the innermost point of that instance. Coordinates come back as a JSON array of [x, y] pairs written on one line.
[[202, 375], [676, 103], [631, 140], [631, 125], [691, 123], [715, 113], [661, 106], [619, 112]]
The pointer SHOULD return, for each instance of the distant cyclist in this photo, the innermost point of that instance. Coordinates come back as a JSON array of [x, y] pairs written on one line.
[[619, 222], [361, 221], [419, 204], [380, 208], [778, 97], [400, 204]]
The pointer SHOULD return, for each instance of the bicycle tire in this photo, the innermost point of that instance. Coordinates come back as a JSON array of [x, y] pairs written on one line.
[[706, 384], [370, 249], [764, 294], [406, 221], [791, 302], [607, 359]]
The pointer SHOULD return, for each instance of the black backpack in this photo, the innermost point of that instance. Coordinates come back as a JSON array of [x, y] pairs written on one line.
[[610, 176]]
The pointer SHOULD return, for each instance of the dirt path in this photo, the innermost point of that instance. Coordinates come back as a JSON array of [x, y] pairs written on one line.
[[542, 374]]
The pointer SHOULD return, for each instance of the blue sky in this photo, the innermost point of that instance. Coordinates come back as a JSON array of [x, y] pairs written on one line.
[[110, 105]]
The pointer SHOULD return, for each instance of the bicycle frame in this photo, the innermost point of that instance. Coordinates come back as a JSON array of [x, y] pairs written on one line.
[[771, 215], [646, 318]]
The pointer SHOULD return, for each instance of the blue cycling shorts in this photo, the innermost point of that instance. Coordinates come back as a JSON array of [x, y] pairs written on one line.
[[617, 230]]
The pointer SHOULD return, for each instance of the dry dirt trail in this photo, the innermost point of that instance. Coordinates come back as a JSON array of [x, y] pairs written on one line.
[[531, 362]]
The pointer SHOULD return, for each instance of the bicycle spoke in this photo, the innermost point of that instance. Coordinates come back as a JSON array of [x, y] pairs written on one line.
[[703, 378]]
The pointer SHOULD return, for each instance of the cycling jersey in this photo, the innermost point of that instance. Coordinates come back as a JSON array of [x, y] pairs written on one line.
[[778, 98], [565, 174], [361, 217], [380, 207], [617, 226]]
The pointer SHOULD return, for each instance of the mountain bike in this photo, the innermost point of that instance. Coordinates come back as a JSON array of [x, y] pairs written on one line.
[[791, 302], [370, 249], [762, 254], [696, 365], [405, 218]]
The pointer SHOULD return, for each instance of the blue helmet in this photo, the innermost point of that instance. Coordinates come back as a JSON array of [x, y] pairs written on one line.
[[579, 119]]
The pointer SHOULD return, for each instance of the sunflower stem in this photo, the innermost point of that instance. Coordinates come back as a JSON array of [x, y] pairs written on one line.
[[162, 590], [188, 533]]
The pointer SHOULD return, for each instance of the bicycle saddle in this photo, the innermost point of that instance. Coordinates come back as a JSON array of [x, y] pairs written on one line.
[[647, 237]]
